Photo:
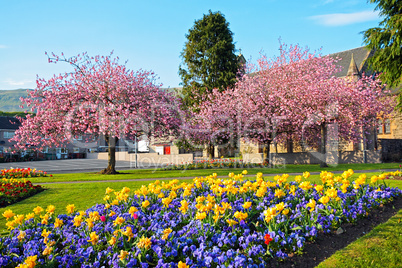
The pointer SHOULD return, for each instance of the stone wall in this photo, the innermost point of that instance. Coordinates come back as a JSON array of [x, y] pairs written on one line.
[[339, 157], [146, 159], [391, 150]]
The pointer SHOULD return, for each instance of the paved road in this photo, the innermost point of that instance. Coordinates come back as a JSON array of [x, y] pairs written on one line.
[[92, 165], [72, 165]]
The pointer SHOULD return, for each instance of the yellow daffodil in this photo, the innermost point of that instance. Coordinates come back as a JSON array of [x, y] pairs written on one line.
[[261, 192], [90, 223], [166, 201], [70, 208], [269, 214], [109, 190], [286, 211], [166, 233], [319, 188], [93, 238], [112, 241], [226, 206], [200, 215], [11, 225], [132, 211], [279, 207], [77, 220], [29, 262], [305, 185], [123, 254], [58, 223], [311, 204], [240, 215], [21, 235], [332, 193], [231, 222], [38, 210], [118, 221], [45, 233], [279, 193], [47, 251], [182, 265], [324, 199], [128, 232], [45, 219], [29, 216], [144, 242], [50, 209], [247, 205], [145, 204], [184, 206]]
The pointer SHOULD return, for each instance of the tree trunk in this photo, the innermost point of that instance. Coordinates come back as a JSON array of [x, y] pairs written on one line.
[[112, 141], [289, 146], [210, 151], [265, 153], [323, 149]]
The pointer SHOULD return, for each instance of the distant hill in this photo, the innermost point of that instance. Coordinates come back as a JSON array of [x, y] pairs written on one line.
[[10, 100]]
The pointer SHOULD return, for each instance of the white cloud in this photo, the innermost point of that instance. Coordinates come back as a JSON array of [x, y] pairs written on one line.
[[3, 46], [17, 83], [340, 19]]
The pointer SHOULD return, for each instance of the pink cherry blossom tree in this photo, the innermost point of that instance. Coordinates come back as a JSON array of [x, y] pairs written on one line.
[[214, 122], [99, 97], [295, 96]]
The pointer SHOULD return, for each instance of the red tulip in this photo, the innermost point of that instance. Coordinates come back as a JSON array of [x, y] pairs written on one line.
[[267, 239]]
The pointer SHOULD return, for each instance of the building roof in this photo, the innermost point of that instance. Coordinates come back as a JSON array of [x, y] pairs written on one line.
[[359, 55], [9, 123]]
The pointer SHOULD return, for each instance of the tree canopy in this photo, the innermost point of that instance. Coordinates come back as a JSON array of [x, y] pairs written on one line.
[[386, 40], [209, 59]]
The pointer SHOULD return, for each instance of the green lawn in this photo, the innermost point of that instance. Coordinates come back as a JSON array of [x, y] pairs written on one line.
[[367, 251]]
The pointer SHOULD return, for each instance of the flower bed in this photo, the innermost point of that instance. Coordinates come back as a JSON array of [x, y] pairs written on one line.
[[211, 222], [14, 185], [18, 173], [214, 163]]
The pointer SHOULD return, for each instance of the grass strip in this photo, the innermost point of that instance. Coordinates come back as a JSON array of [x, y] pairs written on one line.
[[157, 173], [379, 248]]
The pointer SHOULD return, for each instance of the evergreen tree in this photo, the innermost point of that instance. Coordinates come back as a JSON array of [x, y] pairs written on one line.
[[386, 40], [209, 59]]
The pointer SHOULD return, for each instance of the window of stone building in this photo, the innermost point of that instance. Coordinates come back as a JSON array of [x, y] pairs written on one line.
[[8, 134], [380, 127], [387, 126]]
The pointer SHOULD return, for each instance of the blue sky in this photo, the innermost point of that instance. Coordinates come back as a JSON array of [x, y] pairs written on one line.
[[151, 34]]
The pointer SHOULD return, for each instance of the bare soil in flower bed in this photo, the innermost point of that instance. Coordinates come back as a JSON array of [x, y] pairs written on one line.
[[327, 244], [399, 178]]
